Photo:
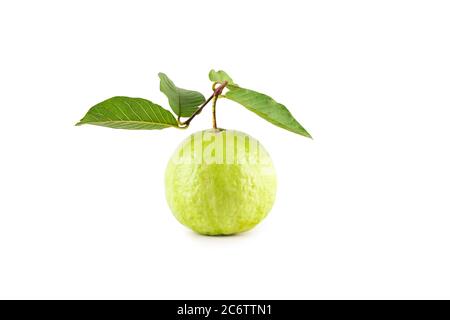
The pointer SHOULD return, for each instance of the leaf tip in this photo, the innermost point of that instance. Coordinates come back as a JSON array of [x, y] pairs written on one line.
[[162, 75], [307, 135], [79, 123], [211, 75]]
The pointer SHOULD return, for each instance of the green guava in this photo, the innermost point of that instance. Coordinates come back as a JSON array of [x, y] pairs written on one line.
[[220, 182]]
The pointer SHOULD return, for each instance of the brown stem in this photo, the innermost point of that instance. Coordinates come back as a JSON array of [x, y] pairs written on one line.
[[186, 123], [217, 92]]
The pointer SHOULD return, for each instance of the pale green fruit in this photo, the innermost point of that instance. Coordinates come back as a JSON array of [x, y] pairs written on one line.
[[220, 182]]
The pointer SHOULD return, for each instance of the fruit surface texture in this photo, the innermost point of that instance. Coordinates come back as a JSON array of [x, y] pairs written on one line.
[[220, 182]]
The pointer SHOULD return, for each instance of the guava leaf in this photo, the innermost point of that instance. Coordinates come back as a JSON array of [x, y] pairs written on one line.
[[183, 102], [266, 108], [129, 113], [220, 76]]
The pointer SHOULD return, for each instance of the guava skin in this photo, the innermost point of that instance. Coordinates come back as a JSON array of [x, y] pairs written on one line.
[[220, 197]]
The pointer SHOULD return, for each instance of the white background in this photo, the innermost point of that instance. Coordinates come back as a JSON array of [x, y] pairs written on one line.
[[362, 211]]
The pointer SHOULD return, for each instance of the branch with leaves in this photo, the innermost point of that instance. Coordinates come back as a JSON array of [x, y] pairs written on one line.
[[141, 114]]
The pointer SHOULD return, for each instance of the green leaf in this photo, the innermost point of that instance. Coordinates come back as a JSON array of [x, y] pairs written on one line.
[[183, 102], [220, 76], [267, 108], [129, 113]]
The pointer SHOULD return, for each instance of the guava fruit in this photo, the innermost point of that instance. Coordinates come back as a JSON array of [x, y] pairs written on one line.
[[220, 182]]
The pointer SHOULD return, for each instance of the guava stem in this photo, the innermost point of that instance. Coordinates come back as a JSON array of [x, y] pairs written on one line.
[[214, 121], [219, 89], [217, 93]]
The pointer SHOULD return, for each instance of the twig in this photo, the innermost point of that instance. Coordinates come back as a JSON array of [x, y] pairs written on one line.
[[216, 93]]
